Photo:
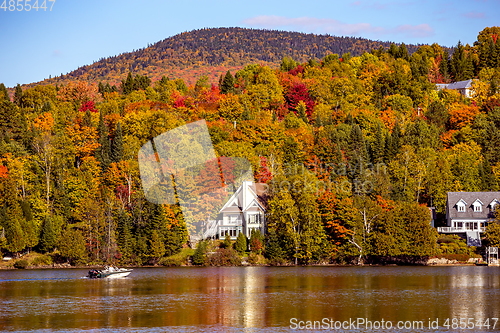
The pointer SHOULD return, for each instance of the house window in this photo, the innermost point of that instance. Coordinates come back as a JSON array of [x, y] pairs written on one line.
[[461, 208], [477, 208], [252, 218]]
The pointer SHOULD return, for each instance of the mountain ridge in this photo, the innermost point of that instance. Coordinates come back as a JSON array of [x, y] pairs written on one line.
[[213, 51]]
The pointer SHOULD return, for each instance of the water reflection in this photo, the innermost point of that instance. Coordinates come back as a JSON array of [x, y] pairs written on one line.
[[243, 297]]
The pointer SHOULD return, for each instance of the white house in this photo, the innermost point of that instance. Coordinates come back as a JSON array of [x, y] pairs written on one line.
[[469, 212], [243, 212], [463, 87]]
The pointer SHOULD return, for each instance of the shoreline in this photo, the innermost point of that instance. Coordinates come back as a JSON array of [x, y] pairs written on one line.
[[63, 266]]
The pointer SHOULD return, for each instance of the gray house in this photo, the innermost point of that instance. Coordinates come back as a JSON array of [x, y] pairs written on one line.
[[463, 87], [469, 212]]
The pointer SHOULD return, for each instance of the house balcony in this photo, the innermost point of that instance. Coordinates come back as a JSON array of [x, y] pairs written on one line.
[[453, 230]]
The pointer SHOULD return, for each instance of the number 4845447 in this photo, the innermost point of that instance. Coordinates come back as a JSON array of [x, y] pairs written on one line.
[[26, 5]]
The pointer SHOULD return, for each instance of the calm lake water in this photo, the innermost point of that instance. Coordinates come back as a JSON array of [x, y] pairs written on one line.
[[256, 299]]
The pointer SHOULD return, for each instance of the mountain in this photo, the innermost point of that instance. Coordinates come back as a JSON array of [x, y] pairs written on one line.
[[213, 51]]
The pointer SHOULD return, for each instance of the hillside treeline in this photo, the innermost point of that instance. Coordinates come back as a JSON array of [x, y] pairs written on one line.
[[353, 150]]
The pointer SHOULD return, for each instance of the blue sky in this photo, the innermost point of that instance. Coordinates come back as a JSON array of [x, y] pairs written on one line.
[[75, 33]]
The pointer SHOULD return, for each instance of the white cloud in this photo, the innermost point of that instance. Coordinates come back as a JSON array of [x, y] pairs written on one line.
[[421, 30], [335, 27], [474, 15]]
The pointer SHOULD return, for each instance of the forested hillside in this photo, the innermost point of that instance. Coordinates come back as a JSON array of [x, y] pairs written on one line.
[[190, 55], [353, 150]]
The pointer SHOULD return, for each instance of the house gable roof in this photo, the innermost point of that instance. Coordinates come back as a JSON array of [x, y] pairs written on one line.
[[254, 193], [455, 85], [455, 197], [460, 84]]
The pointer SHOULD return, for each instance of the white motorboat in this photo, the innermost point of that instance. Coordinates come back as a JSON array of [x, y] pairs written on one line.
[[109, 272]]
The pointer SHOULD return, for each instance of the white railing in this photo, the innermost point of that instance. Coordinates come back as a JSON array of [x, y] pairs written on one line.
[[455, 229], [211, 229]]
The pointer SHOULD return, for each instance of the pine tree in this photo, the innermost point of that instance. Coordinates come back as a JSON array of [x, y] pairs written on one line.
[[378, 146], [241, 243], [226, 244], [101, 88], [302, 111], [393, 50], [199, 253], [403, 52], [443, 66], [156, 245], [227, 84], [117, 146], [128, 84], [273, 248], [87, 119], [48, 236], [18, 95], [124, 239], [4, 94], [395, 140], [104, 151]]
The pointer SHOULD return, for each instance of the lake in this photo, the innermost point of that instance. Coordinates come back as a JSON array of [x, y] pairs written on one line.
[[255, 299]]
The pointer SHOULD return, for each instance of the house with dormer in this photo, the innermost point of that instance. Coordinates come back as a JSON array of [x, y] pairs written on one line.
[[469, 212], [242, 213]]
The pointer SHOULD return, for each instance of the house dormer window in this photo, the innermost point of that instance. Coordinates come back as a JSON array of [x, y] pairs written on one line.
[[494, 204], [478, 206], [461, 205]]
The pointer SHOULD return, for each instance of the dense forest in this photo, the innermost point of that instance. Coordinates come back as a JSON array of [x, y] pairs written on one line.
[[190, 55], [353, 150]]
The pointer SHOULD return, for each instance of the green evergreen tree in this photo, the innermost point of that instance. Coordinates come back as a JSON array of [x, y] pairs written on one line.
[[488, 179], [461, 64], [48, 237], [227, 83], [403, 52], [378, 146], [72, 245], [301, 112], [101, 88], [358, 156], [273, 247], [444, 67], [393, 50], [156, 245], [241, 243], [173, 242], [103, 152], [199, 253], [128, 84], [4, 94], [124, 236], [117, 146], [226, 244], [87, 119], [18, 95], [395, 140]]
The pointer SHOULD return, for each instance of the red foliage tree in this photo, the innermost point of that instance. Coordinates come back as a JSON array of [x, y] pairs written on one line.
[[88, 105], [298, 92]]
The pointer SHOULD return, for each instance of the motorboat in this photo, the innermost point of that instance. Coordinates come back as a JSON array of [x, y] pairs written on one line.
[[109, 272]]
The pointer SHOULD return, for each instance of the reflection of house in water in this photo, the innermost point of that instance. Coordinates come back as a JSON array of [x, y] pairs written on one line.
[[468, 213], [243, 212]]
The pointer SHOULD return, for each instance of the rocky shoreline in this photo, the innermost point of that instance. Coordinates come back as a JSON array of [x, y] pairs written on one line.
[[429, 262]]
